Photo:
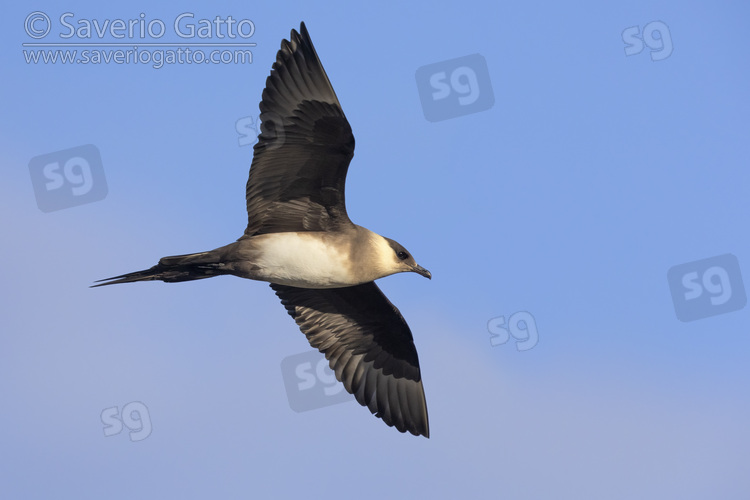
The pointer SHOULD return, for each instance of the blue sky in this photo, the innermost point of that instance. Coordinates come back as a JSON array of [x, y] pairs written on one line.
[[569, 196]]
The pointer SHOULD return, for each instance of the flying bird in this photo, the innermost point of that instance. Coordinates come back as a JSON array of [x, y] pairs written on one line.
[[300, 239]]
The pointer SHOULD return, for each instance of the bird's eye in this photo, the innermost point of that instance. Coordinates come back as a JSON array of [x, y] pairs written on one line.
[[402, 255]]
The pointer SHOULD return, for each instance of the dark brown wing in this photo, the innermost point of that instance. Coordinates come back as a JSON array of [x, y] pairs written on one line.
[[368, 345], [300, 162]]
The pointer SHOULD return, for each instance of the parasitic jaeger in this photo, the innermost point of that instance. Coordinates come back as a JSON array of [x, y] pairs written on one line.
[[300, 239]]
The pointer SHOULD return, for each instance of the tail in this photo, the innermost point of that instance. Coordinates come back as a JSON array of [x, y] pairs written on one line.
[[194, 266]]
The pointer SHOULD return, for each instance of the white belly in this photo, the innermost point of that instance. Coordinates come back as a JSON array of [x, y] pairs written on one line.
[[302, 260]]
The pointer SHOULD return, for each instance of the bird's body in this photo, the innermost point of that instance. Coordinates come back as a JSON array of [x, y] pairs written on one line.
[[300, 239], [318, 259], [307, 260]]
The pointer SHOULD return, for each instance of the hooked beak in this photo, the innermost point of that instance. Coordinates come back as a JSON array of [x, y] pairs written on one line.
[[422, 271]]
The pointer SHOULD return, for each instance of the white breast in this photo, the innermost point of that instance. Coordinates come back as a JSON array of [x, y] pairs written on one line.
[[303, 260]]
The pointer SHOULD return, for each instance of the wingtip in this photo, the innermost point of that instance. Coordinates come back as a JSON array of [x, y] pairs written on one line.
[[425, 425], [416, 431], [424, 431], [302, 33]]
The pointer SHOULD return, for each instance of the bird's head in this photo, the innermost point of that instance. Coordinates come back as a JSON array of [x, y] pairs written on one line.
[[398, 260]]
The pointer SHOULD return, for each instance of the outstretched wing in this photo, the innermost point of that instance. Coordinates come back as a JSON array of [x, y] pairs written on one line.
[[300, 162], [369, 347]]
